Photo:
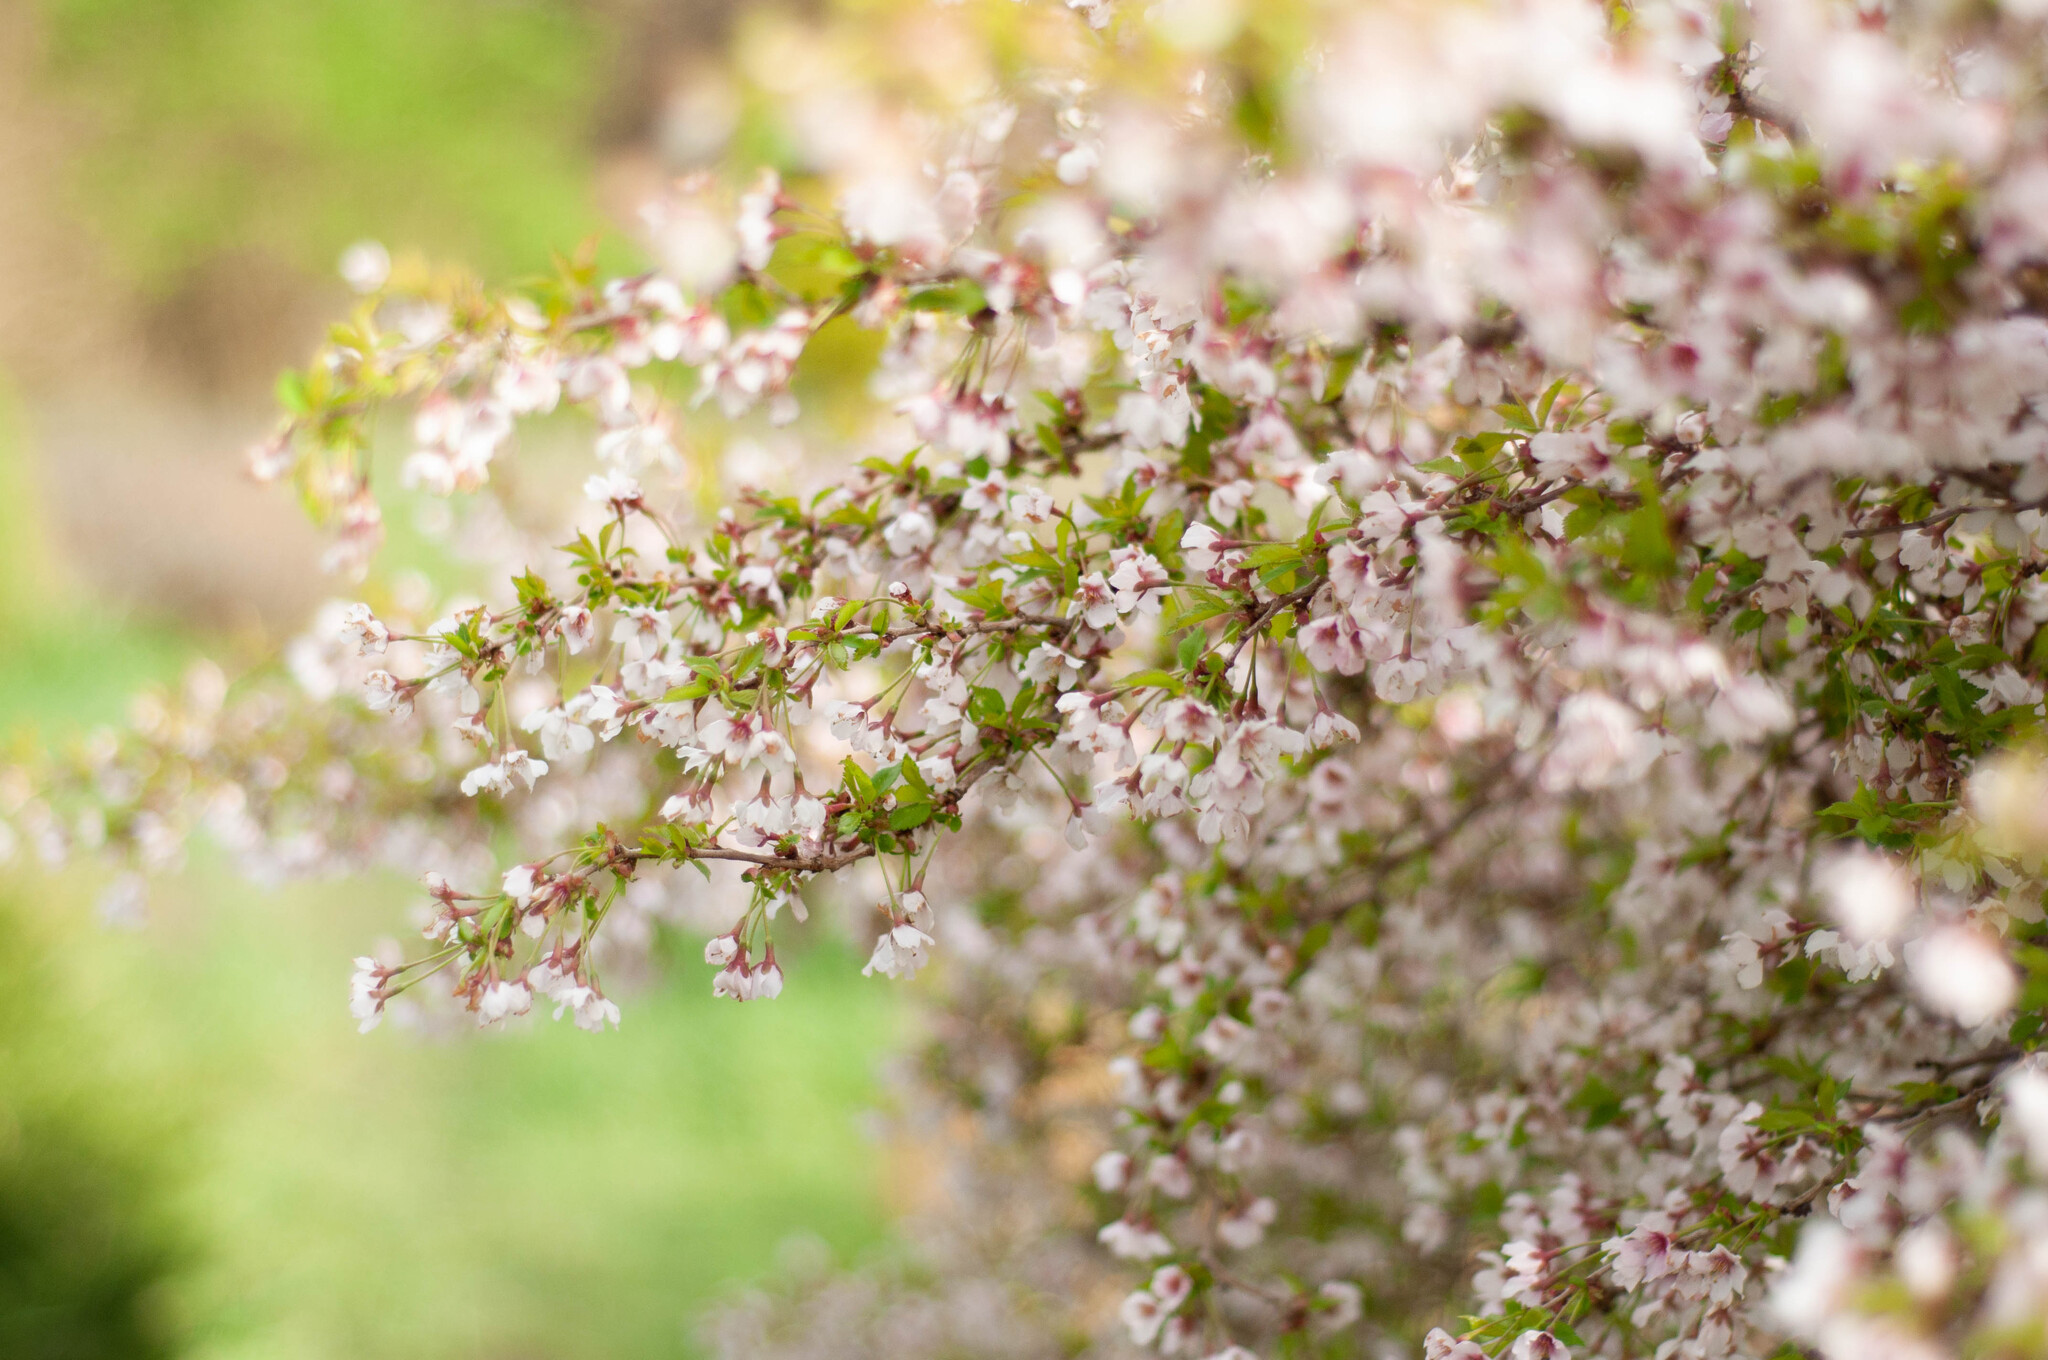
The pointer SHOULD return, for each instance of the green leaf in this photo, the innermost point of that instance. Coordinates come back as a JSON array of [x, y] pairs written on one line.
[[532, 590], [910, 817], [291, 392], [913, 777], [857, 782], [1646, 542], [1516, 416], [1165, 680], [962, 297], [1957, 696], [985, 705], [1273, 555], [1598, 1101]]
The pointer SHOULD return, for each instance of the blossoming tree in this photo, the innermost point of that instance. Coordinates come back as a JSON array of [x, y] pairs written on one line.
[[1431, 592]]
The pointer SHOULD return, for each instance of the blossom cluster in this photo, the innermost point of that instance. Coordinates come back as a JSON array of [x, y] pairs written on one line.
[[1419, 629]]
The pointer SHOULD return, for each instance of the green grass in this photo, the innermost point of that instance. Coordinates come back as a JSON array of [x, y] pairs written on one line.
[[540, 1192], [86, 1237], [537, 1192], [59, 680]]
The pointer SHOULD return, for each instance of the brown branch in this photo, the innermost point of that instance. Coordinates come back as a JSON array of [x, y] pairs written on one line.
[[1935, 521], [1272, 611]]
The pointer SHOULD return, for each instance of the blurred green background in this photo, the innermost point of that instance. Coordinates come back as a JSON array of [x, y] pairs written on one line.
[[199, 1157]]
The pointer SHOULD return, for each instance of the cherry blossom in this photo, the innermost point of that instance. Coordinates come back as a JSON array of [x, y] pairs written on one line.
[[1428, 644]]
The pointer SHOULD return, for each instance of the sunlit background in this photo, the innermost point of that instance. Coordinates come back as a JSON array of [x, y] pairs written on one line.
[[198, 1154]]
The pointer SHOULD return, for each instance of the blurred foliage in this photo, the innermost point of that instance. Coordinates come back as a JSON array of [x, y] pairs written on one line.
[[194, 1099], [198, 1154], [400, 1195], [27, 573], [341, 1197], [61, 666], [86, 1242], [297, 126]]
